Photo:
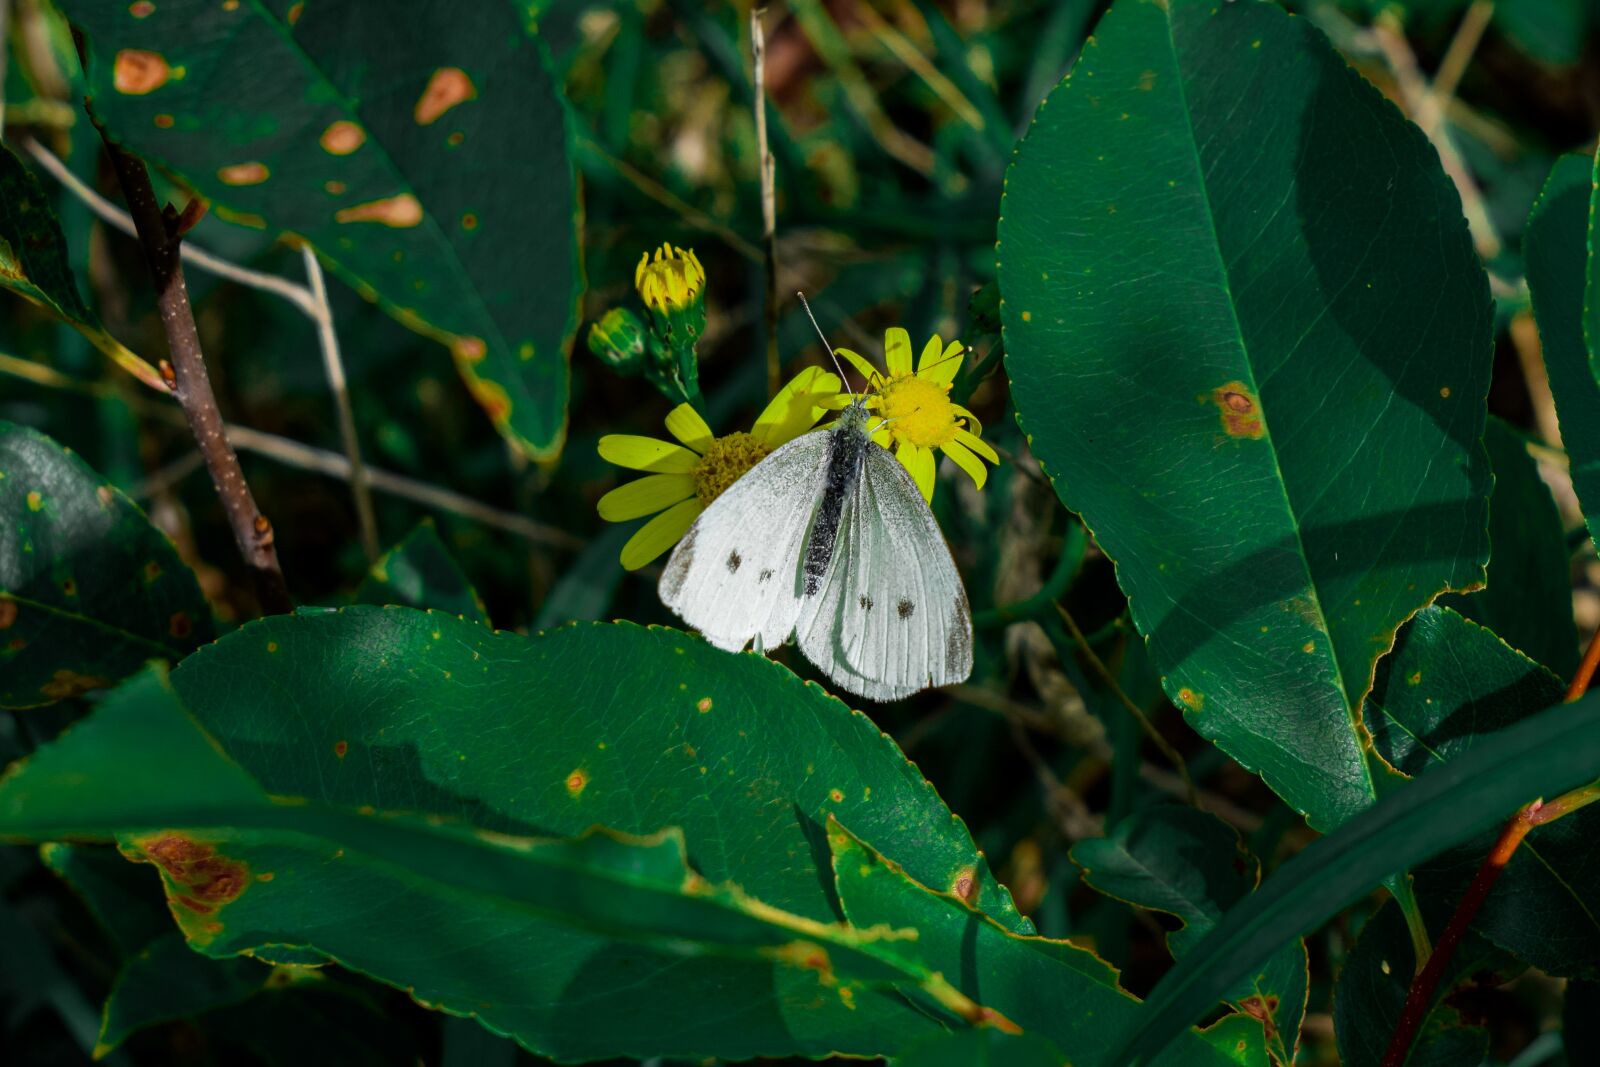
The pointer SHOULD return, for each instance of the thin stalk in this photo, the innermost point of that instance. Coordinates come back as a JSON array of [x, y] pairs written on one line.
[[334, 366], [1100, 668], [160, 234], [769, 200]]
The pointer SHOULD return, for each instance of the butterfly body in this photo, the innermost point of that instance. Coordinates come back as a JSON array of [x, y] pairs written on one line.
[[828, 540]]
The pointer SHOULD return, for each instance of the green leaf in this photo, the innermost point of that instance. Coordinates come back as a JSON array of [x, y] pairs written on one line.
[[34, 264], [1050, 988], [516, 734], [1548, 30], [588, 585], [1449, 688], [1251, 346], [426, 158], [1528, 601], [1372, 989], [89, 590], [168, 980], [584, 947], [1543, 755], [1558, 257], [123, 897], [420, 572], [1191, 864], [981, 1048]]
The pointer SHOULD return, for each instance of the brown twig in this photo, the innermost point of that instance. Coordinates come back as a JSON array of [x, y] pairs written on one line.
[[1426, 983], [769, 199], [159, 234]]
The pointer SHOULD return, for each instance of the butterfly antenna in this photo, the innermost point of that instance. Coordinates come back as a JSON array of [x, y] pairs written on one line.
[[842, 379]]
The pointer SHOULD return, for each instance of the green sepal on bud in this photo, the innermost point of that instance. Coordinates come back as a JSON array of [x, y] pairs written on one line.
[[619, 341]]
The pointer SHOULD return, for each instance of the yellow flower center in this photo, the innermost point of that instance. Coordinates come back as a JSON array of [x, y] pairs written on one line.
[[918, 410], [671, 281], [724, 463]]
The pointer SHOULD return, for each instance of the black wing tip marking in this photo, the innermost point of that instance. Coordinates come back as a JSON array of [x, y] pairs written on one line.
[[905, 609]]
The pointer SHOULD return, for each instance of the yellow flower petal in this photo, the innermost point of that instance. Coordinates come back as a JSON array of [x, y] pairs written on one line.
[[685, 423], [930, 353], [863, 367], [646, 454], [646, 496], [944, 364], [882, 436], [797, 407], [897, 350], [972, 420], [919, 461], [967, 462], [978, 445], [659, 534]]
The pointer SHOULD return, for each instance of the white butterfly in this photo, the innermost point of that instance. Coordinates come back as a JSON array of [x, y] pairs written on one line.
[[828, 539]]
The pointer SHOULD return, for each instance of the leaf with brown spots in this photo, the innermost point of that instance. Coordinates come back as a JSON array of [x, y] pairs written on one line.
[[597, 945], [1261, 379], [89, 589], [425, 157]]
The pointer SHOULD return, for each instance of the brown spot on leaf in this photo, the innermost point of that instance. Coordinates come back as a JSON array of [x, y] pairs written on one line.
[[152, 571], [577, 781], [1241, 414], [469, 221], [136, 72], [1190, 699], [163, 121], [105, 495], [1444, 391], [205, 878], [335, 188], [1147, 81], [965, 885], [836, 795], [70, 684], [294, 13], [69, 587], [252, 173], [448, 87], [8, 613], [455, 138], [342, 138], [141, 9], [704, 705], [340, 748], [401, 211], [179, 625], [471, 349]]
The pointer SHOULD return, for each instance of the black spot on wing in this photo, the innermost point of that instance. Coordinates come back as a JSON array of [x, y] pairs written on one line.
[[905, 608], [764, 576], [866, 602], [734, 559]]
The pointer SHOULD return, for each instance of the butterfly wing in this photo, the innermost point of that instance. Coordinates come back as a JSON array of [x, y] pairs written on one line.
[[891, 617], [735, 575]]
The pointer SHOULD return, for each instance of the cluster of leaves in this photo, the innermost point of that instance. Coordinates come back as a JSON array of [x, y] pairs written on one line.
[[1249, 342]]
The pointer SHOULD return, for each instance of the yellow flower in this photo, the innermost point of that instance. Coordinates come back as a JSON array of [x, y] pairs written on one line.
[[685, 478], [671, 281], [918, 414]]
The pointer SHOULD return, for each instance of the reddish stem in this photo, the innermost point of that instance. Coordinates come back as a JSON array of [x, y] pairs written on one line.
[[1423, 987]]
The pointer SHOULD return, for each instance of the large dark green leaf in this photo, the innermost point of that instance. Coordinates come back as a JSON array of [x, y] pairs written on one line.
[[1450, 687], [982, 1048], [1543, 755], [1557, 252], [1372, 989], [424, 156], [1192, 865], [584, 947], [1052, 988], [89, 590], [1528, 601], [547, 734], [420, 572], [33, 264], [1251, 346]]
